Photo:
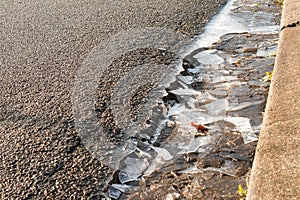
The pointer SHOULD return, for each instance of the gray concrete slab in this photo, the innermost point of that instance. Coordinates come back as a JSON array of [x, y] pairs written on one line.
[[291, 13], [284, 95]]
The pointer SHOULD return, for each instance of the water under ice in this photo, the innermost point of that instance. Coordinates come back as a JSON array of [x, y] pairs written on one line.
[[155, 165], [196, 144], [227, 168], [216, 104], [163, 153], [217, 108], [134, 169], [209, 58], [244, 126], [116, 190]]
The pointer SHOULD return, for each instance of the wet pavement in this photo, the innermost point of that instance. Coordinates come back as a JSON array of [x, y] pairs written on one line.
[[220, 88], [160, 156]]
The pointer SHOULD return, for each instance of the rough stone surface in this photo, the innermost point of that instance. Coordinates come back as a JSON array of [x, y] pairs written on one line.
[[291, 13]]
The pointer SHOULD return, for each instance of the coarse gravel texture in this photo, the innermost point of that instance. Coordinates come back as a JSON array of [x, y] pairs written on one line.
[[42, 45]]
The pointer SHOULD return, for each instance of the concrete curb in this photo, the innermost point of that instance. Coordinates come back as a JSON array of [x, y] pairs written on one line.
[[276, 168]]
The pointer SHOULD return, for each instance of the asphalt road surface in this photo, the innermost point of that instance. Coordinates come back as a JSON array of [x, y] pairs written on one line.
[[42, 45]]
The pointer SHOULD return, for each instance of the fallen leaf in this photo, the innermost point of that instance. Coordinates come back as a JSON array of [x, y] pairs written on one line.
[[199, 127]]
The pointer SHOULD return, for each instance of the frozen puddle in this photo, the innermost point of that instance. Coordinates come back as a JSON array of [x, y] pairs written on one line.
[[240, 21], [213, 92]]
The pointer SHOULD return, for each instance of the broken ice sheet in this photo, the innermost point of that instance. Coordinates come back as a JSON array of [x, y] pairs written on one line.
[[212, 119], [186, 79], [258, 84], [196, 143], [220, 170], [244, 126], [141, 153], [189, 101], [114, 193], [205, 98], [134, 169], [163, 152], [222, 79], [120, 187], [231, 78], [266, 52], [224, 72], [184, 115], [218, 79], [130, 146], [241, 106], [185, 91], [218, 107], [228, 168], [218, 92], [227, 86], [195, 70], [155, 164], [208, 58], [191, 170]]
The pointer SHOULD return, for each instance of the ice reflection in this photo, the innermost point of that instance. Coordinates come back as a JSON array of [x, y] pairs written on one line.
[[208, 58], [134, 169], [244, 126], [221, 104], [163, 153], [195, 145]]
